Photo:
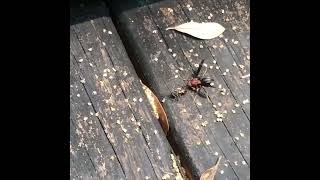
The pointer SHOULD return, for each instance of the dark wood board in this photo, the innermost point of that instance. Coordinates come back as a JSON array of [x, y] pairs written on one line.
[[142, 29], [114, 133]]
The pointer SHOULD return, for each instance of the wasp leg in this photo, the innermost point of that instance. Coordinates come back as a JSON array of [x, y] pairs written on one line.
[[196, 73], [202, 93]]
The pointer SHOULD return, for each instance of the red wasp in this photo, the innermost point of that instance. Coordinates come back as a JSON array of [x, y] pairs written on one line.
[[195, 83]]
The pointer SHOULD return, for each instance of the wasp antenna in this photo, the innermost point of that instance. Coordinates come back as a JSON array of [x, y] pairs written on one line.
[[203, 93], [199, 69]]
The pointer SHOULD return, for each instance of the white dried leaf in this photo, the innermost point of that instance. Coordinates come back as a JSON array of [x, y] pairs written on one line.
[[207, 30]]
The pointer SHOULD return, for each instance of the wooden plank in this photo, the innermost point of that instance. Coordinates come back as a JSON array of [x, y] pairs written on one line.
[[91, 141], [80, 163], [195, 132], [121, 134], [232, 50]]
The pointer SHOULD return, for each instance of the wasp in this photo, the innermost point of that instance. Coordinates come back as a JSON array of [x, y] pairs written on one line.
[[195, 83]]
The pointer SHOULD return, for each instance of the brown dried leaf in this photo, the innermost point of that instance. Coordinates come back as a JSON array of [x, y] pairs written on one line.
[[206, 30], [210, 173], [157, 109]]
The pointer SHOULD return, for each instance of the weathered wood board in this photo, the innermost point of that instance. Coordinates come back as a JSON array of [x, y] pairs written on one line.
[[196, 132], [113, 131]]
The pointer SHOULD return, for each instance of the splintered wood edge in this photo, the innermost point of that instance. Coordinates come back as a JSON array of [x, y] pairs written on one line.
[[157, 108]]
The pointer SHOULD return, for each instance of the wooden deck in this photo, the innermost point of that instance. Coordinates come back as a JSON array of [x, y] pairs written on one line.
[[114, 133]]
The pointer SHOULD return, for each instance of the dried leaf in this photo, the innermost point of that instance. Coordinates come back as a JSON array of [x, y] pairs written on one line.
[[200, 30], [157, 109], [210, 173]]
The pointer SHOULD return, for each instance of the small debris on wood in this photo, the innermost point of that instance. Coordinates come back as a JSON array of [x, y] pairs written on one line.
[[204, 124], [241, 134], [246, 101], [245, 76], [208, 142], [166, 176]]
